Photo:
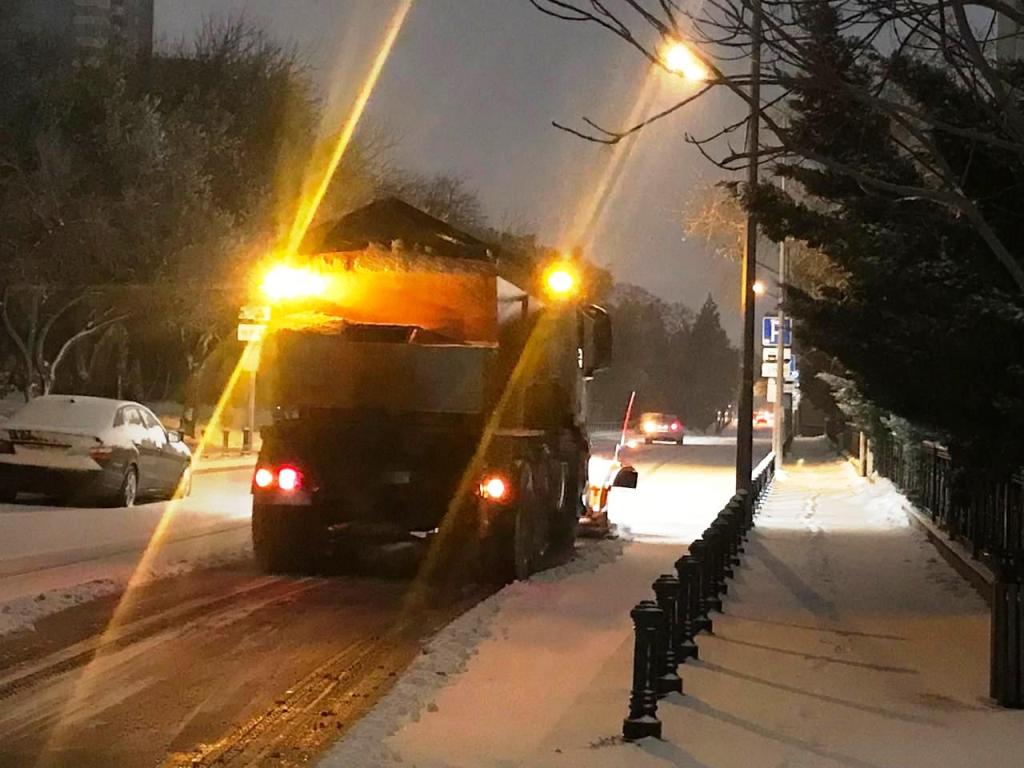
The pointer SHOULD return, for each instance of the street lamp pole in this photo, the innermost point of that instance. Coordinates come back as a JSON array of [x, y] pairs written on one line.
[[779, 422], [745, 427]]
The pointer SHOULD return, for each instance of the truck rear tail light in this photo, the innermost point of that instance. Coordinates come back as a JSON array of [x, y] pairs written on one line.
[[289, 479], [263, 478], [494, 488]]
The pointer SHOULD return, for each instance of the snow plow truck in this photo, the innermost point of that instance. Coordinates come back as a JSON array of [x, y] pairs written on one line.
[[432, 395]]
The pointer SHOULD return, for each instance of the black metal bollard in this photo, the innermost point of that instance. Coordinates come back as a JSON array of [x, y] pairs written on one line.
[[643, 701], [225, 436], [1006, 683], [666, 590], [701, 556], [743, 496], [686, 607], [739, 521], [724, 536], [734, 517], [717, 586]]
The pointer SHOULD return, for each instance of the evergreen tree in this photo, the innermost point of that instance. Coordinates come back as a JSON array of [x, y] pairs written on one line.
[[707, 368], [926, 321]]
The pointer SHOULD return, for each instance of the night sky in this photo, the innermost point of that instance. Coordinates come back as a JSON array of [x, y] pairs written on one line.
[[471, 88]]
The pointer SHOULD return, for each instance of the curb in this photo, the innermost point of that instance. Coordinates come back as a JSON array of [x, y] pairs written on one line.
[[226, 468], [975, 572]]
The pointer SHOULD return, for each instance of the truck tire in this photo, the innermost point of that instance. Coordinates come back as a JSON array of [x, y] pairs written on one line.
[[509, 552], [282, 541], [522, 550], [565, 510]]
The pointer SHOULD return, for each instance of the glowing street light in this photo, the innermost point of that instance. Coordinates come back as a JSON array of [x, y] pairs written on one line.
[[561, 281], [285, 283], [680, 59], [758, 288]]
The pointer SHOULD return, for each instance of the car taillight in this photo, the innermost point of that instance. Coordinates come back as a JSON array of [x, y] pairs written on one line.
[[263, 478], [289, 479], [494, 488], [675, 426], [101, 453]]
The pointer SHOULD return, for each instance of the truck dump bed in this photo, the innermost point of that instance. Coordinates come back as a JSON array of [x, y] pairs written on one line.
[[393, 369]]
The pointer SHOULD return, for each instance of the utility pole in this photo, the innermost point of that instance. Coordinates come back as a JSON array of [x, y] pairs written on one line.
[[779, 427], [745, 427]]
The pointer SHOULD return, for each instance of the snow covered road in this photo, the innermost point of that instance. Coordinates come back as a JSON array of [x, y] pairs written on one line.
[[55, 556]]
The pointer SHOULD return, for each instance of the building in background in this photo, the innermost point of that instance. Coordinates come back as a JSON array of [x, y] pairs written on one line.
[[86, 26]]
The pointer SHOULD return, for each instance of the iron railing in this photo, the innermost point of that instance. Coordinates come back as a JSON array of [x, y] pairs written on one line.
[[985, 515]]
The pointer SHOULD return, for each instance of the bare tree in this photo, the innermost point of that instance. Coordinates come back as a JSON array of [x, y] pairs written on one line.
[[32, 329], [959, 35]]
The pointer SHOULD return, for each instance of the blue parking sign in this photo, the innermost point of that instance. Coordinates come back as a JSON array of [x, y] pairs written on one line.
[[769, 331]]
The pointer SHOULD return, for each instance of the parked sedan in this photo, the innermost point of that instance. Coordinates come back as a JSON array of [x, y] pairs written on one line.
[[113, 451]]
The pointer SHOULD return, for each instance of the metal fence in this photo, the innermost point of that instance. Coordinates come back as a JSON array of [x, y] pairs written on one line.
[[985, 515]]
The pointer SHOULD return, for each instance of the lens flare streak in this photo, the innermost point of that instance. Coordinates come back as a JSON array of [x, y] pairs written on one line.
[[308, 208]]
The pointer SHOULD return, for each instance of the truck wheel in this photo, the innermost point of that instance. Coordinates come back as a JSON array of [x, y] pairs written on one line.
[[281, 543], [565, 511], [523, 551]]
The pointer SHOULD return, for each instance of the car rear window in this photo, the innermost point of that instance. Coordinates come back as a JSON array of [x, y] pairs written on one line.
[[65, 412]]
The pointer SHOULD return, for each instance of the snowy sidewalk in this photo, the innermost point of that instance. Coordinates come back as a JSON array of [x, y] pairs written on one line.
[[847, 642]]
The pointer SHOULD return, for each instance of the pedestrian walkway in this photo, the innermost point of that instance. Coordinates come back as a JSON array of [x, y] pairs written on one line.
[[846, 642]]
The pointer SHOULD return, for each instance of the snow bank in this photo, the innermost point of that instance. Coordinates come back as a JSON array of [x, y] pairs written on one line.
[[22, 613], [445, 656]]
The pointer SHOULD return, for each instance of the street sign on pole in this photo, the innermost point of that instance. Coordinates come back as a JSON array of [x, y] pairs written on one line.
[[772, 389], [251, 331], [770, 331], [254, 313], [771, 354], [769, 371]]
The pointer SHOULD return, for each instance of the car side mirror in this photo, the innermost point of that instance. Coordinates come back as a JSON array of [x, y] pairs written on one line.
[[174, 436], [626, 477], [598, 346]]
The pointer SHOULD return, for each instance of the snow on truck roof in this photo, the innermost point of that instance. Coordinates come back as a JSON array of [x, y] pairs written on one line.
[[67, 411], [390, 234], [390, 220]]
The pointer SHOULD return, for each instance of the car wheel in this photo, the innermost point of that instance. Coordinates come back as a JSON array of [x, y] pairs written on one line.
[[183, 487], [129, 490], [648, 441]]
